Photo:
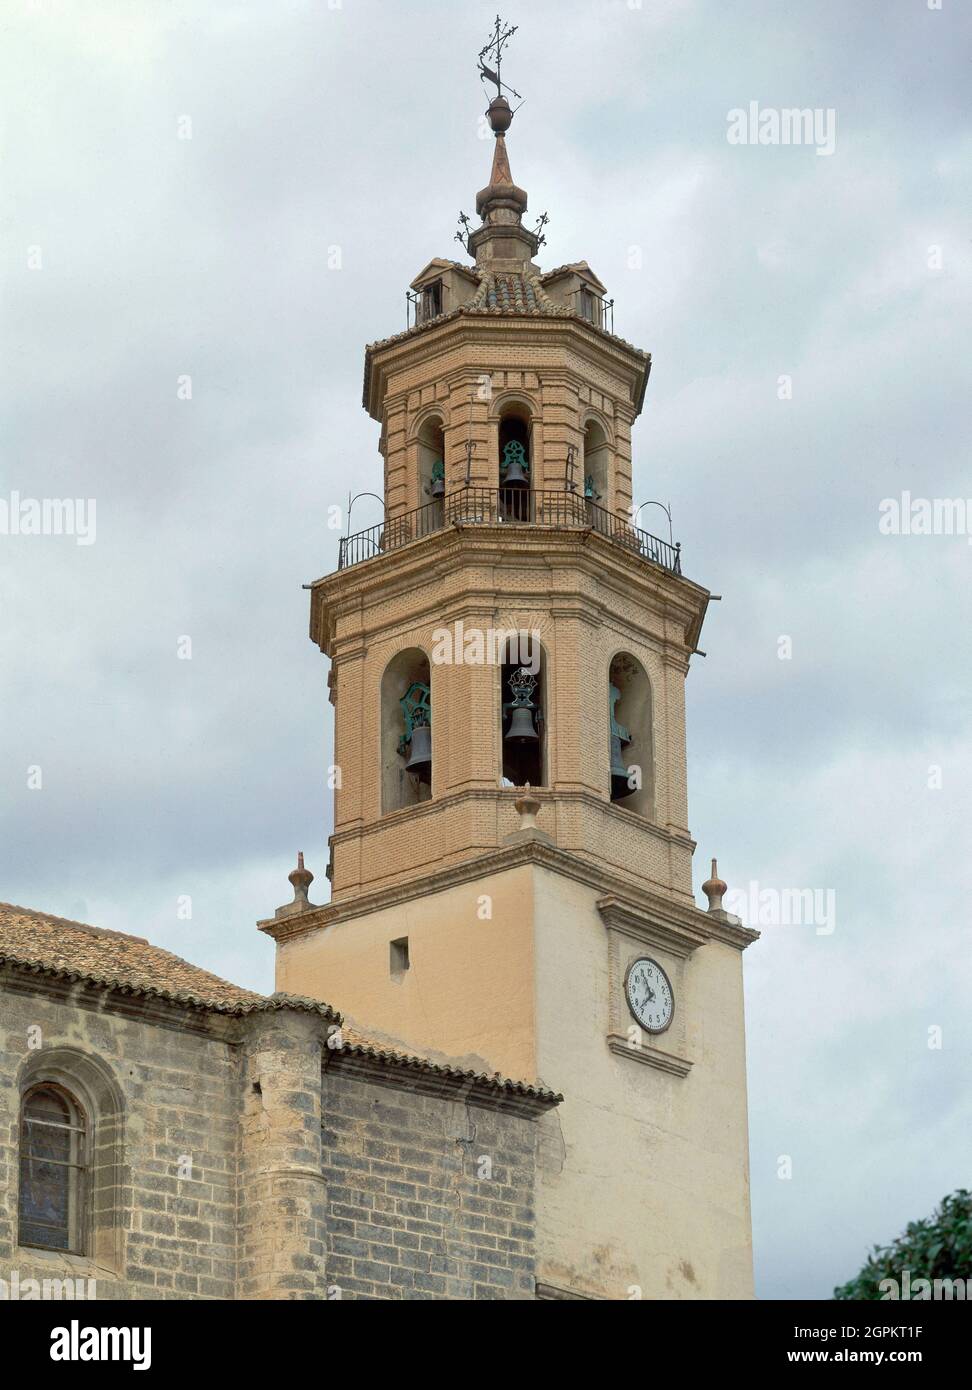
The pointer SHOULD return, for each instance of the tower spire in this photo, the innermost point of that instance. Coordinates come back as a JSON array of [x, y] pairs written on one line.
[[501, 238], [501, 193]]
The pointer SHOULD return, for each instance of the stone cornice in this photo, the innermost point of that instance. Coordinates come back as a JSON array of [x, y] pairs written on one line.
[[65, 989], [668, 835], [476, 327], [166, 1010], [662, 921], [653, 1056], [455, 546], [469, 373], [677, 936], [625, 901]]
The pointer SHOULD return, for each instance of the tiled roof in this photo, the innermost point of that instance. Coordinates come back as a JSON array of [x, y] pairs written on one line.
[[355, 1045], [74, 950], [580, 268], [562, 270], [513, 293], [42, 943], [516, 292]]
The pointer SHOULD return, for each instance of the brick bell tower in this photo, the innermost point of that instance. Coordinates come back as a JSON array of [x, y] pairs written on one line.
[[511, 865]]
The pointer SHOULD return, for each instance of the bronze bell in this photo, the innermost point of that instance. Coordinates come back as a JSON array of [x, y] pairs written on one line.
[[437, 488], [521, 728], [420, 752], [515, 475], [514, 468], [619, 772]]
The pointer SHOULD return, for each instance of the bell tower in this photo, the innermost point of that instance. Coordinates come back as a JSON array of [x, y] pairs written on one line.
[[511, 865]]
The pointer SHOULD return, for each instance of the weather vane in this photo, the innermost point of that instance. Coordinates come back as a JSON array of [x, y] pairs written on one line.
[[538, 229], [494, 51]]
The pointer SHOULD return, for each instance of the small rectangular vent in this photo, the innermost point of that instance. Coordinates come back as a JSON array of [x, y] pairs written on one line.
[[398, 957]]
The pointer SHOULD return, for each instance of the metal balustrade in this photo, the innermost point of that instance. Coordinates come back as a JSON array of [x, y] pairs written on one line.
[[480, 506]]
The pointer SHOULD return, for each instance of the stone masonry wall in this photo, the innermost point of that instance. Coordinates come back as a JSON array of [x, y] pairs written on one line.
[[179, 1095], [428, 1197], [282, 1234], [224, 1166]]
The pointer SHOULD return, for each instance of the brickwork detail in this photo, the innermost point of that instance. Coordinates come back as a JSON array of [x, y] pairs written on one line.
[[587, 600]]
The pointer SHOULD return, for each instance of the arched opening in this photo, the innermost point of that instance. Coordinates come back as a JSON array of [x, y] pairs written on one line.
[[632, 770], [72, 1120], [54, 1166], [523, 721], [431, 471], [515, 464], [597, 454], [406, 731]]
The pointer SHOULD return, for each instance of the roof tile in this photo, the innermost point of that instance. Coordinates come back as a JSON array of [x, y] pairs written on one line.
[[58, 946], [37, 938]]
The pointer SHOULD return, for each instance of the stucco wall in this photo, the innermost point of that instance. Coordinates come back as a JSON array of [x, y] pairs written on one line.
[[469, 992], [644, 1180]]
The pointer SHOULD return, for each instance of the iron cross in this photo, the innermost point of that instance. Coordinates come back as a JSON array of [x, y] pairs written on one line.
[[494, 50]]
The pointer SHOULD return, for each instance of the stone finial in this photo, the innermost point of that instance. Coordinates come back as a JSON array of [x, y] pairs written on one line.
[[500, 116], [502, 242], [527, 832], [528, 806], [302, 879], [501, 191], [714, 888]]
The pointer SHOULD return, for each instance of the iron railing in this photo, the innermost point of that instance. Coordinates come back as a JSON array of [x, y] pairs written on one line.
[[389, 535], [595, 308], [507, 506]]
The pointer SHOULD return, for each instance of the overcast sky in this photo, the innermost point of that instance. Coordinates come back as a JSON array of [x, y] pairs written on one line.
[[133, 258]]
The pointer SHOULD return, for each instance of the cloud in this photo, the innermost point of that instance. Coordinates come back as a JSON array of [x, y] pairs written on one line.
[[358, 127]]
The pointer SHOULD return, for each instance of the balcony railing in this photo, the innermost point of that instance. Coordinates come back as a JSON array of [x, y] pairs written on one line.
[[480, 506], [596, 308]]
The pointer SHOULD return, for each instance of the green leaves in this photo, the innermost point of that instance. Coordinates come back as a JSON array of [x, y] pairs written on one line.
[[939, 1247]]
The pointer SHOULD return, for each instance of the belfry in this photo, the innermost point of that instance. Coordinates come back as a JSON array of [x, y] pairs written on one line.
[[511, 864]]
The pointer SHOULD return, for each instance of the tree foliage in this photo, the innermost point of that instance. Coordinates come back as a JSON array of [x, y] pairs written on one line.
[[939, 1247]]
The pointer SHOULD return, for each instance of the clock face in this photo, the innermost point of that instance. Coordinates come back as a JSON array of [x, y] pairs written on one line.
[[650, 995]]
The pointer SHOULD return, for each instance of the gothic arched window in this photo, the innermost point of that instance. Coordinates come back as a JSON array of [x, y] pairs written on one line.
[[53, 1170]]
